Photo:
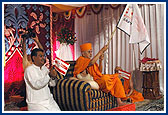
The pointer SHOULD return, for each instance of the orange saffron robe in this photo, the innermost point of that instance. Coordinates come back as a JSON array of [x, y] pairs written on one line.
[[106, 82], [135, 96]]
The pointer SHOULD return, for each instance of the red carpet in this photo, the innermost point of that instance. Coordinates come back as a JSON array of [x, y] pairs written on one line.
[[129, 107], [23, 109]]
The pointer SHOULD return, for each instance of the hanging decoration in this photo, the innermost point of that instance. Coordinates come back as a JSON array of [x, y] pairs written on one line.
[[68, 15], [80, 11], [114, 6], [55, 17], [106, 6], [88, 10], [96, 8]]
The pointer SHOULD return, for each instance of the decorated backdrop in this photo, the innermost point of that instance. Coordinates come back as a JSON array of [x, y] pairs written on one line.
[[16, 17]]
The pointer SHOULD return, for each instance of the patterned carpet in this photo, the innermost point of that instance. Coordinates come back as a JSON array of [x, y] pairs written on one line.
[[150, 105]]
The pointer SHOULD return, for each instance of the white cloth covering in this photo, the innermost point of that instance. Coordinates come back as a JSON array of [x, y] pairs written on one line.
[[38, 96], [88, 78], [64, 52]]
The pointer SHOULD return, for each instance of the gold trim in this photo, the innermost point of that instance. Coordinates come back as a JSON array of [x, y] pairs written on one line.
[[71, 92], [100, 106], [76, 95], [67, 96], [62, 94], [58, 91]]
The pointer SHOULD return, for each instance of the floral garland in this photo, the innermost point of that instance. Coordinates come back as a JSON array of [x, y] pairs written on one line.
[[67, 36]]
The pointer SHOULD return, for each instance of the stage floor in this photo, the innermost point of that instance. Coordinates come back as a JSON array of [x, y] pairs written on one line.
[[146, 105]]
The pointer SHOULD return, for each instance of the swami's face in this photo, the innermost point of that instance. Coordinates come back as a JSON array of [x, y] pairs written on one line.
[[87, 54]]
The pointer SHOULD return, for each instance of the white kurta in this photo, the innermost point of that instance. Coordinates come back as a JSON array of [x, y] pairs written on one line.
[[38, 96]]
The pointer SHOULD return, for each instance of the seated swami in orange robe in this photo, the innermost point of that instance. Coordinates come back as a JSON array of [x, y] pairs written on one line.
[[106, 82], [130, 92]]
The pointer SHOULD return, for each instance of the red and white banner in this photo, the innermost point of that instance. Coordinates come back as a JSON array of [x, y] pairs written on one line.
[[124, 74], [61, 66], [131, 23]]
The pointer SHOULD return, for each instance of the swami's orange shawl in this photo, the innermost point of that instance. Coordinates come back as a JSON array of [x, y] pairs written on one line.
[[107, 82], [135, 96]]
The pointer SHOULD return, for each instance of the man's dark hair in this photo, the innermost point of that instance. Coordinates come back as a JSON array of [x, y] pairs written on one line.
[[34, 52]]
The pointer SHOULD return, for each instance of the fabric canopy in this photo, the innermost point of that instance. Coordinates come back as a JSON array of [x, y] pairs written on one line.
[[58, 8]]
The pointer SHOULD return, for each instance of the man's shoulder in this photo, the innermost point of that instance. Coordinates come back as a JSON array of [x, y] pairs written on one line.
[[44, 67], [30, 67]]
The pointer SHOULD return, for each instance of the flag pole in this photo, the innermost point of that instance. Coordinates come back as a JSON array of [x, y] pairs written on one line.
[[134, 58], [109, 42], [111, 36]]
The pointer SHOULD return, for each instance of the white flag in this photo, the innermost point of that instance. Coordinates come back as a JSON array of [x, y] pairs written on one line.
[[61, 66], [131, 23]]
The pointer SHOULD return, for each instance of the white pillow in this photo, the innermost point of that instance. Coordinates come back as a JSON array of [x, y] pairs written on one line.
[[90, 80], [93, 84]]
